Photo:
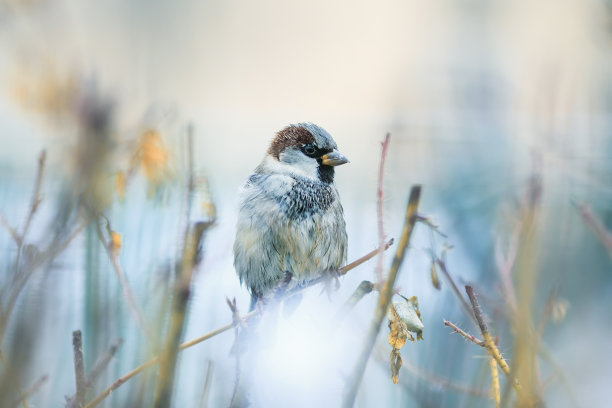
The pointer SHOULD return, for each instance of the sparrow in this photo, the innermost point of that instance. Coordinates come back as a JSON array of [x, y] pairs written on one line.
[[290, 220]]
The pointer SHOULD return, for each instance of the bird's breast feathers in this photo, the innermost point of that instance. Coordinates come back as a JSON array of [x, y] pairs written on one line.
[[288, 224]]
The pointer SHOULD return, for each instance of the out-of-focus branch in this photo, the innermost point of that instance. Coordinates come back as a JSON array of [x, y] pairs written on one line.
[[597, 226], [167, 360], [35, 196], [30, 391], [10, 229], [363, 289], [79, 368], [384, 298], [379, 208], [125, 286], [207, 384]]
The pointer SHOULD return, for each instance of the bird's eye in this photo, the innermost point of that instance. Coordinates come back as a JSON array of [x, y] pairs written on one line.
[[309, 150]]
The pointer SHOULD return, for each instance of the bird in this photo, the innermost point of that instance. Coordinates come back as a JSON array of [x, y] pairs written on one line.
[[290, 219]]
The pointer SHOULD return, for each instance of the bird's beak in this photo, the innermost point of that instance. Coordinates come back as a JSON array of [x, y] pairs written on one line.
[[333, 158]]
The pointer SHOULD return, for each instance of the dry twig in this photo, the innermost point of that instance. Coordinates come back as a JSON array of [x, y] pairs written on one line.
[[384, 298], [79, 368], [465, 334]]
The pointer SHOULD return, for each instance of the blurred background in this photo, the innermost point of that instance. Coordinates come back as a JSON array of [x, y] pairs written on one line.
[[501, 110]]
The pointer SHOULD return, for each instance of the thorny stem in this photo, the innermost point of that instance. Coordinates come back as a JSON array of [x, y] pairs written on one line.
[[379, 208], [465, 334], [491, 347], [352, 386], [123, 379]]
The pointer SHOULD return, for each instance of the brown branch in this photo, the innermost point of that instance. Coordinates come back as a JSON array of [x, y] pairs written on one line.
[[363, 259], [379, 209], [167, 360], [491, 347], [352, 386], [15, 379], [125, 286], [79, 368], [465, 334]]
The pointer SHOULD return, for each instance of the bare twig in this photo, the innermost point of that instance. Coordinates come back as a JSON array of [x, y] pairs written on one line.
[[102, 363], [30, 391], [35, 196], [465, 334], [488, 340], [379, 209], [50, 253], [466, 307], [352, 386], [125, 286], [363, 259], [167, 361], [597, 226], [79, 368], [10, 229]]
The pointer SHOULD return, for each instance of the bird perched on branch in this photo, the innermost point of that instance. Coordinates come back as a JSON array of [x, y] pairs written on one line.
[[291, 222]]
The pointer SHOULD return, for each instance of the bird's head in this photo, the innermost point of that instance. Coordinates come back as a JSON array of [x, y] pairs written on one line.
[[306, 150]]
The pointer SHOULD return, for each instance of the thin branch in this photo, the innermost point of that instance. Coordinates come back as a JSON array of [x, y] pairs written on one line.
[[35, 195], [10, 229], [363, 259], [207, 384], [352, 386], [50, 253], [102, 362], [168, 357], [79, 368], [125, 286], [464, 304], [30, 391], [465, 334], [597, 226], [379, 209], [491, 347]]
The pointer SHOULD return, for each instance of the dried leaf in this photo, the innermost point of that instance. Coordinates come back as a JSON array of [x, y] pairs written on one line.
[[396, 364]]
